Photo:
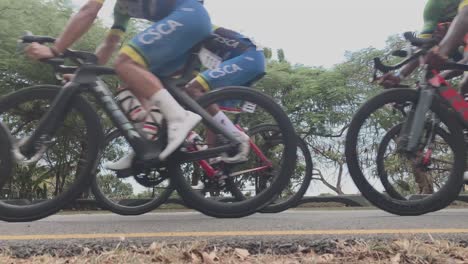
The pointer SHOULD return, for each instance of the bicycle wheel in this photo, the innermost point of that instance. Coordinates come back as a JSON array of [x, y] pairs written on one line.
[[6, 158], [255, 108], [63, 170], [365, 133], [133, 195], [427, 173], [266, 137]]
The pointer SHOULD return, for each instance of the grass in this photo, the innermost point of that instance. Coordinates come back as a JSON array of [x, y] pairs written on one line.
[[349, 251]]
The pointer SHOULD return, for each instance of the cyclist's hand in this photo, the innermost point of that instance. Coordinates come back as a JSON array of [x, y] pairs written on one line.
[[37, 51], [389, 80], [441, 31], [434, 59], [67, 78]]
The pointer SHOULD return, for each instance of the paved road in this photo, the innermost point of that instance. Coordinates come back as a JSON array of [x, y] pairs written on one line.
[[191, 225]]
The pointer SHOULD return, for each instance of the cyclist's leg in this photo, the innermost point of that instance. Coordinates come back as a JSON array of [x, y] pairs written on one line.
[[236, 71], [151, 123], [165, 40]]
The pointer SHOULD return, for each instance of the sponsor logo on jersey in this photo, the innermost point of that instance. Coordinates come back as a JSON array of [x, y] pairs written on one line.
[[225, 70], [226, 41], [159, 31]]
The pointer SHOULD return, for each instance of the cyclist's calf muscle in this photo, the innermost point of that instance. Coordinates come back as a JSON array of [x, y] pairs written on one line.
[[195, 90]]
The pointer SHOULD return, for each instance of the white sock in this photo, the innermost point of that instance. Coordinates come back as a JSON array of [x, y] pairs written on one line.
[[226, 123], [169, 107]]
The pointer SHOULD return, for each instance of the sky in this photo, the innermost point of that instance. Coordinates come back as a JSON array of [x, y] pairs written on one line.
[[312, 32]]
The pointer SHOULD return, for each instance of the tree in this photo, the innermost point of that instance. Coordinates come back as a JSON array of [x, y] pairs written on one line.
[[114, 188]]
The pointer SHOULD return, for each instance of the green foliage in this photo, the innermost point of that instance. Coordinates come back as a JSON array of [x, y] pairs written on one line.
[[114, 188], [319, 101]]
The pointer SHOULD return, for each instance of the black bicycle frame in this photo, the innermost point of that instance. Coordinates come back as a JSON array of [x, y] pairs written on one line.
[[87, 80]]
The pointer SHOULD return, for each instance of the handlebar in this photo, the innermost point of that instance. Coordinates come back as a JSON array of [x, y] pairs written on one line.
[[425, 45], [80, 58], [419, 42], [38, 39]]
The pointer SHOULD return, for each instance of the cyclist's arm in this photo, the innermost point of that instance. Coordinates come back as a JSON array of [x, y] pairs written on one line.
[[112, 41], [454, 73], [78, 25], [106, 49], [457, 31]]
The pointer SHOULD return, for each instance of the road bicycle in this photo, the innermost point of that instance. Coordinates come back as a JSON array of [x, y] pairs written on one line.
[[143, 193], [67, 135], [429, 142]]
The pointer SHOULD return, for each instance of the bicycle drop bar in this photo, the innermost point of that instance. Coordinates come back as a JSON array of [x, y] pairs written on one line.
[[425, 45]]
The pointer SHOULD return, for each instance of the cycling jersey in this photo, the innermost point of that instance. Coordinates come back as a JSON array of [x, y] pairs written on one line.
[[439, 11], [227, 43], [178, 26], [152, 10]]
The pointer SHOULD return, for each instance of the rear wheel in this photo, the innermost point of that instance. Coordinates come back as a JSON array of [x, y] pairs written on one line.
[[256, 108], [267, 137]]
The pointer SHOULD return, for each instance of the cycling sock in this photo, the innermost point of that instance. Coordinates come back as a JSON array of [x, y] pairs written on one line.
[[131, 106], [152, 122], [226, 123], [168, 106], [179, 121]]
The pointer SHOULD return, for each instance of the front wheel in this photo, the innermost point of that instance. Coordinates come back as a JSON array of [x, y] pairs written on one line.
[[62, 171], [253, 108], [367, 130], [430, 165]]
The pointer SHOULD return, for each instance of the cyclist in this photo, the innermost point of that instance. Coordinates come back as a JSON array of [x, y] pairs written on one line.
[[177, 26], [457, 33], [231, 59], [438, 16]]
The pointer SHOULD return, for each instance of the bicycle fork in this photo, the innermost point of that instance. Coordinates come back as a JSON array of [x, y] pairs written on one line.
[[412, 129]]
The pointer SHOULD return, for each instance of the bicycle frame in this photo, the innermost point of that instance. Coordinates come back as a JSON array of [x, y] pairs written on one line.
[[147, 151], [413, 127], [212, 172]]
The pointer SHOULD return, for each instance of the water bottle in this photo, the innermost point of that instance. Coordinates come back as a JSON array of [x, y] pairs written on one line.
[[152, 123], [131, 106]]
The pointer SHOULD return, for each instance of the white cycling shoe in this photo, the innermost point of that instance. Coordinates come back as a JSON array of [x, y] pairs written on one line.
[[177, 132], [244, 149], [465, 176]]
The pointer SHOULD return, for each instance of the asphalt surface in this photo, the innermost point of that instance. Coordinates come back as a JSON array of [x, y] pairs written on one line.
[[183, 226]]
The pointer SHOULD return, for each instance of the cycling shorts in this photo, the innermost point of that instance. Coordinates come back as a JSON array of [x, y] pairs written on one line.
[[171, 38], [238, 71]]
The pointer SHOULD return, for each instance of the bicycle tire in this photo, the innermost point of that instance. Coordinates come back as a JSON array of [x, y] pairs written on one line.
[[391, 134], [436, 201], [246, 207], [32, 212], [6, 158], [293, 200], [121, 209]]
